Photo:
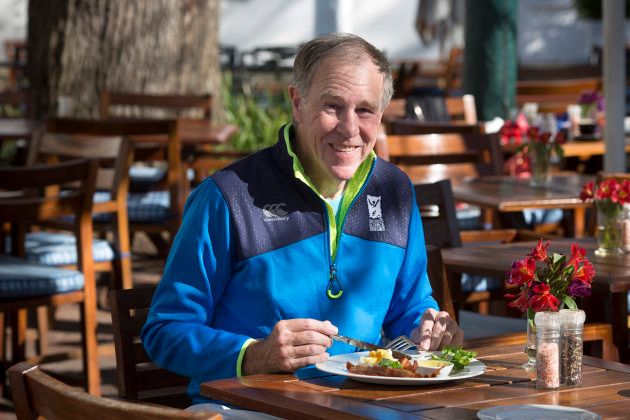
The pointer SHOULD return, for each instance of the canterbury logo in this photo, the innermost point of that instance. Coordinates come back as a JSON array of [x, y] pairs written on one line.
[[273, 212], [375, 215]]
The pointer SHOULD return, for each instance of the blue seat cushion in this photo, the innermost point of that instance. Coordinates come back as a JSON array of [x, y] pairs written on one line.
[[468, 217], [23, 278], [52, 248], [147, 207], [143, 178], [476, 283]]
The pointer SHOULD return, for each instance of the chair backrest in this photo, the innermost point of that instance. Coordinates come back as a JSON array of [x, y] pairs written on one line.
[[402, 127], [462, 108], [37, 394], [555, 95], [437, 209], [431, 157], [138, 376], [114, 154], [166, 148], [439, 281], [177, 103]]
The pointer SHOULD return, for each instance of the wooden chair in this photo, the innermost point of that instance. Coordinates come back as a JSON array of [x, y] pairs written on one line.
[[114, 154], [554, 95], [406, 127], [153, 212], [593, 332], [431, 157], [38, 395], [33, 196], [462, 108], [138, 377], [175, 103]]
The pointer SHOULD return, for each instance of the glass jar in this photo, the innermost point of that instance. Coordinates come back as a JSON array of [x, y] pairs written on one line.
[[626, 227], [547, 350], [610, 228], [571, 332], [530, 345]]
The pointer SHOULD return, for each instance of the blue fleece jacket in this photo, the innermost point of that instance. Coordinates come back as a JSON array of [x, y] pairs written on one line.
[[254, 248]]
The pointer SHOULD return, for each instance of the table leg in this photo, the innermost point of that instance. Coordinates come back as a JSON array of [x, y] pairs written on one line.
[[620, 324], [579, 216]]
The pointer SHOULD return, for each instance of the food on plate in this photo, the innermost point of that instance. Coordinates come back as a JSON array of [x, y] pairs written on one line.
[[381, 363], [458, 356], [439, 368]]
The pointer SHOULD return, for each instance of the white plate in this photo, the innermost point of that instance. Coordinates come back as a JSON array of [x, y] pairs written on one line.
[[337, 366], [535, 412]]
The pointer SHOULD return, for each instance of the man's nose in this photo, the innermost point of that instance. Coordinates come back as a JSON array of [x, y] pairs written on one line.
[[348, 124]]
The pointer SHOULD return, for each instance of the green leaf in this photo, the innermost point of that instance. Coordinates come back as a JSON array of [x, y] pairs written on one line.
[[569, 302], [395, 364], [458, 356]]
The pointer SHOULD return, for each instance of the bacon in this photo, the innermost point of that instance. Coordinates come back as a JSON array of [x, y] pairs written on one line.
[[408, 370]]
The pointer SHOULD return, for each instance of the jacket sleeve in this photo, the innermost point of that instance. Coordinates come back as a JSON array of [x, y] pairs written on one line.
[[413, 294], [178, 334]]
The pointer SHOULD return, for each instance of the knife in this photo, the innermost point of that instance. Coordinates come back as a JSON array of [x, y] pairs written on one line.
[[368, 346]]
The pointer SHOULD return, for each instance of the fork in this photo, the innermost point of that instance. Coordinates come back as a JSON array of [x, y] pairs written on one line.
[[401, 343]]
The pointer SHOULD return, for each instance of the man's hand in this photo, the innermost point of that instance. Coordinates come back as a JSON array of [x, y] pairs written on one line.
[[437, 330], [292, 344]]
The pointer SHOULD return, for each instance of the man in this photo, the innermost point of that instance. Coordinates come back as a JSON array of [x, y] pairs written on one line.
[[309, 238]]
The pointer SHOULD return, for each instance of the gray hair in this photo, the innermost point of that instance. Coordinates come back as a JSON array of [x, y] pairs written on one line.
[[343, 47]]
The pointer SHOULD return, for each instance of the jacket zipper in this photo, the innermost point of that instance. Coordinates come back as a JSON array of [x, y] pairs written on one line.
[[333, 281]]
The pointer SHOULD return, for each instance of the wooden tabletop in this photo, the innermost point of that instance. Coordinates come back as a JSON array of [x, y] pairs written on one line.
[[192, 132], [317, 395], [612, 277], [17, 128], [507, 193], [582, 149]]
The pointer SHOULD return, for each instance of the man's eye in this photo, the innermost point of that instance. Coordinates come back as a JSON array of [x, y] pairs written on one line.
[[365, 111], [330, 105]]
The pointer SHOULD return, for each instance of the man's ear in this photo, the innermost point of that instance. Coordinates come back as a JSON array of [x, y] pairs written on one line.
[[296, 102]]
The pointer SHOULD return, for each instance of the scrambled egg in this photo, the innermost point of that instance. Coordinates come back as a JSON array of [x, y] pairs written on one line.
[[376, 356]]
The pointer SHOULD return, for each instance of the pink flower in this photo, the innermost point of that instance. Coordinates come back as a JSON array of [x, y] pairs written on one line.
[[521, 302], [587, 191]]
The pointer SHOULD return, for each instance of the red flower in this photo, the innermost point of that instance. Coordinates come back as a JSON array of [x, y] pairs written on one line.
[[521, 302], [545, 137], [561, 137], [587, 191], [533, 133], [577, 255], [542, 299], [540, 252], [585, 273], [522, 272]]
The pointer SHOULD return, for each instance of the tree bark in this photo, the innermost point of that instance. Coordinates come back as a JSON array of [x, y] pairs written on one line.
[[77, 48]]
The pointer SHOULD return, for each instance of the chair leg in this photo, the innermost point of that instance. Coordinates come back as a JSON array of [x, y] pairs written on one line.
[[18, 322], [42, 329], [3, 333], [122, 266], [91, 372]]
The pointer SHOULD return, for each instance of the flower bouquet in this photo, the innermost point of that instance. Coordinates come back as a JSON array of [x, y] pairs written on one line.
[[591, 105], [609, 196], [548, 283], [539, 149]]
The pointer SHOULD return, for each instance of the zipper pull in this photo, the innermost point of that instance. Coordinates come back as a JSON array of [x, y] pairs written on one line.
[[334, 284]]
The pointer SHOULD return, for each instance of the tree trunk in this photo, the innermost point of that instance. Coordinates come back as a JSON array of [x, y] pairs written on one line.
[[76, 48]]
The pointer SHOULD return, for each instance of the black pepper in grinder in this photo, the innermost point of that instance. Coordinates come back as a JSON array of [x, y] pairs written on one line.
[[571, 332]]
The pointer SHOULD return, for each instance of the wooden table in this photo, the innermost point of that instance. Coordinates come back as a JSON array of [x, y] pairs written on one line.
[[317, 395], [192, 132], [611, 283], [582, 149], [17, 128], [507, 194]]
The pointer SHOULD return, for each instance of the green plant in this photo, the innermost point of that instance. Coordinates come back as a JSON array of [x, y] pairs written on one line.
[[259, 115]]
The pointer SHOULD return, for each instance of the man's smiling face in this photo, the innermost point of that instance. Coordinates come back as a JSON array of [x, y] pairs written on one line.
[[337, 121]]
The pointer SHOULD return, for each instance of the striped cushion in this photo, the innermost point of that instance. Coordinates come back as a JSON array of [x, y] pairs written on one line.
[[151, 206], [143, 178], [50, 248], [468, 217], [22, 278], [476, 283]]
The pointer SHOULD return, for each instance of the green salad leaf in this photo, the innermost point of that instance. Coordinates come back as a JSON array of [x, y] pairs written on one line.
[[458, 356], [395, 364]]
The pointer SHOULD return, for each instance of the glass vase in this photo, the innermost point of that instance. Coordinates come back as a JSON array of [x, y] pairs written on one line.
[[540, 161], [610, 229], [530, 345]]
